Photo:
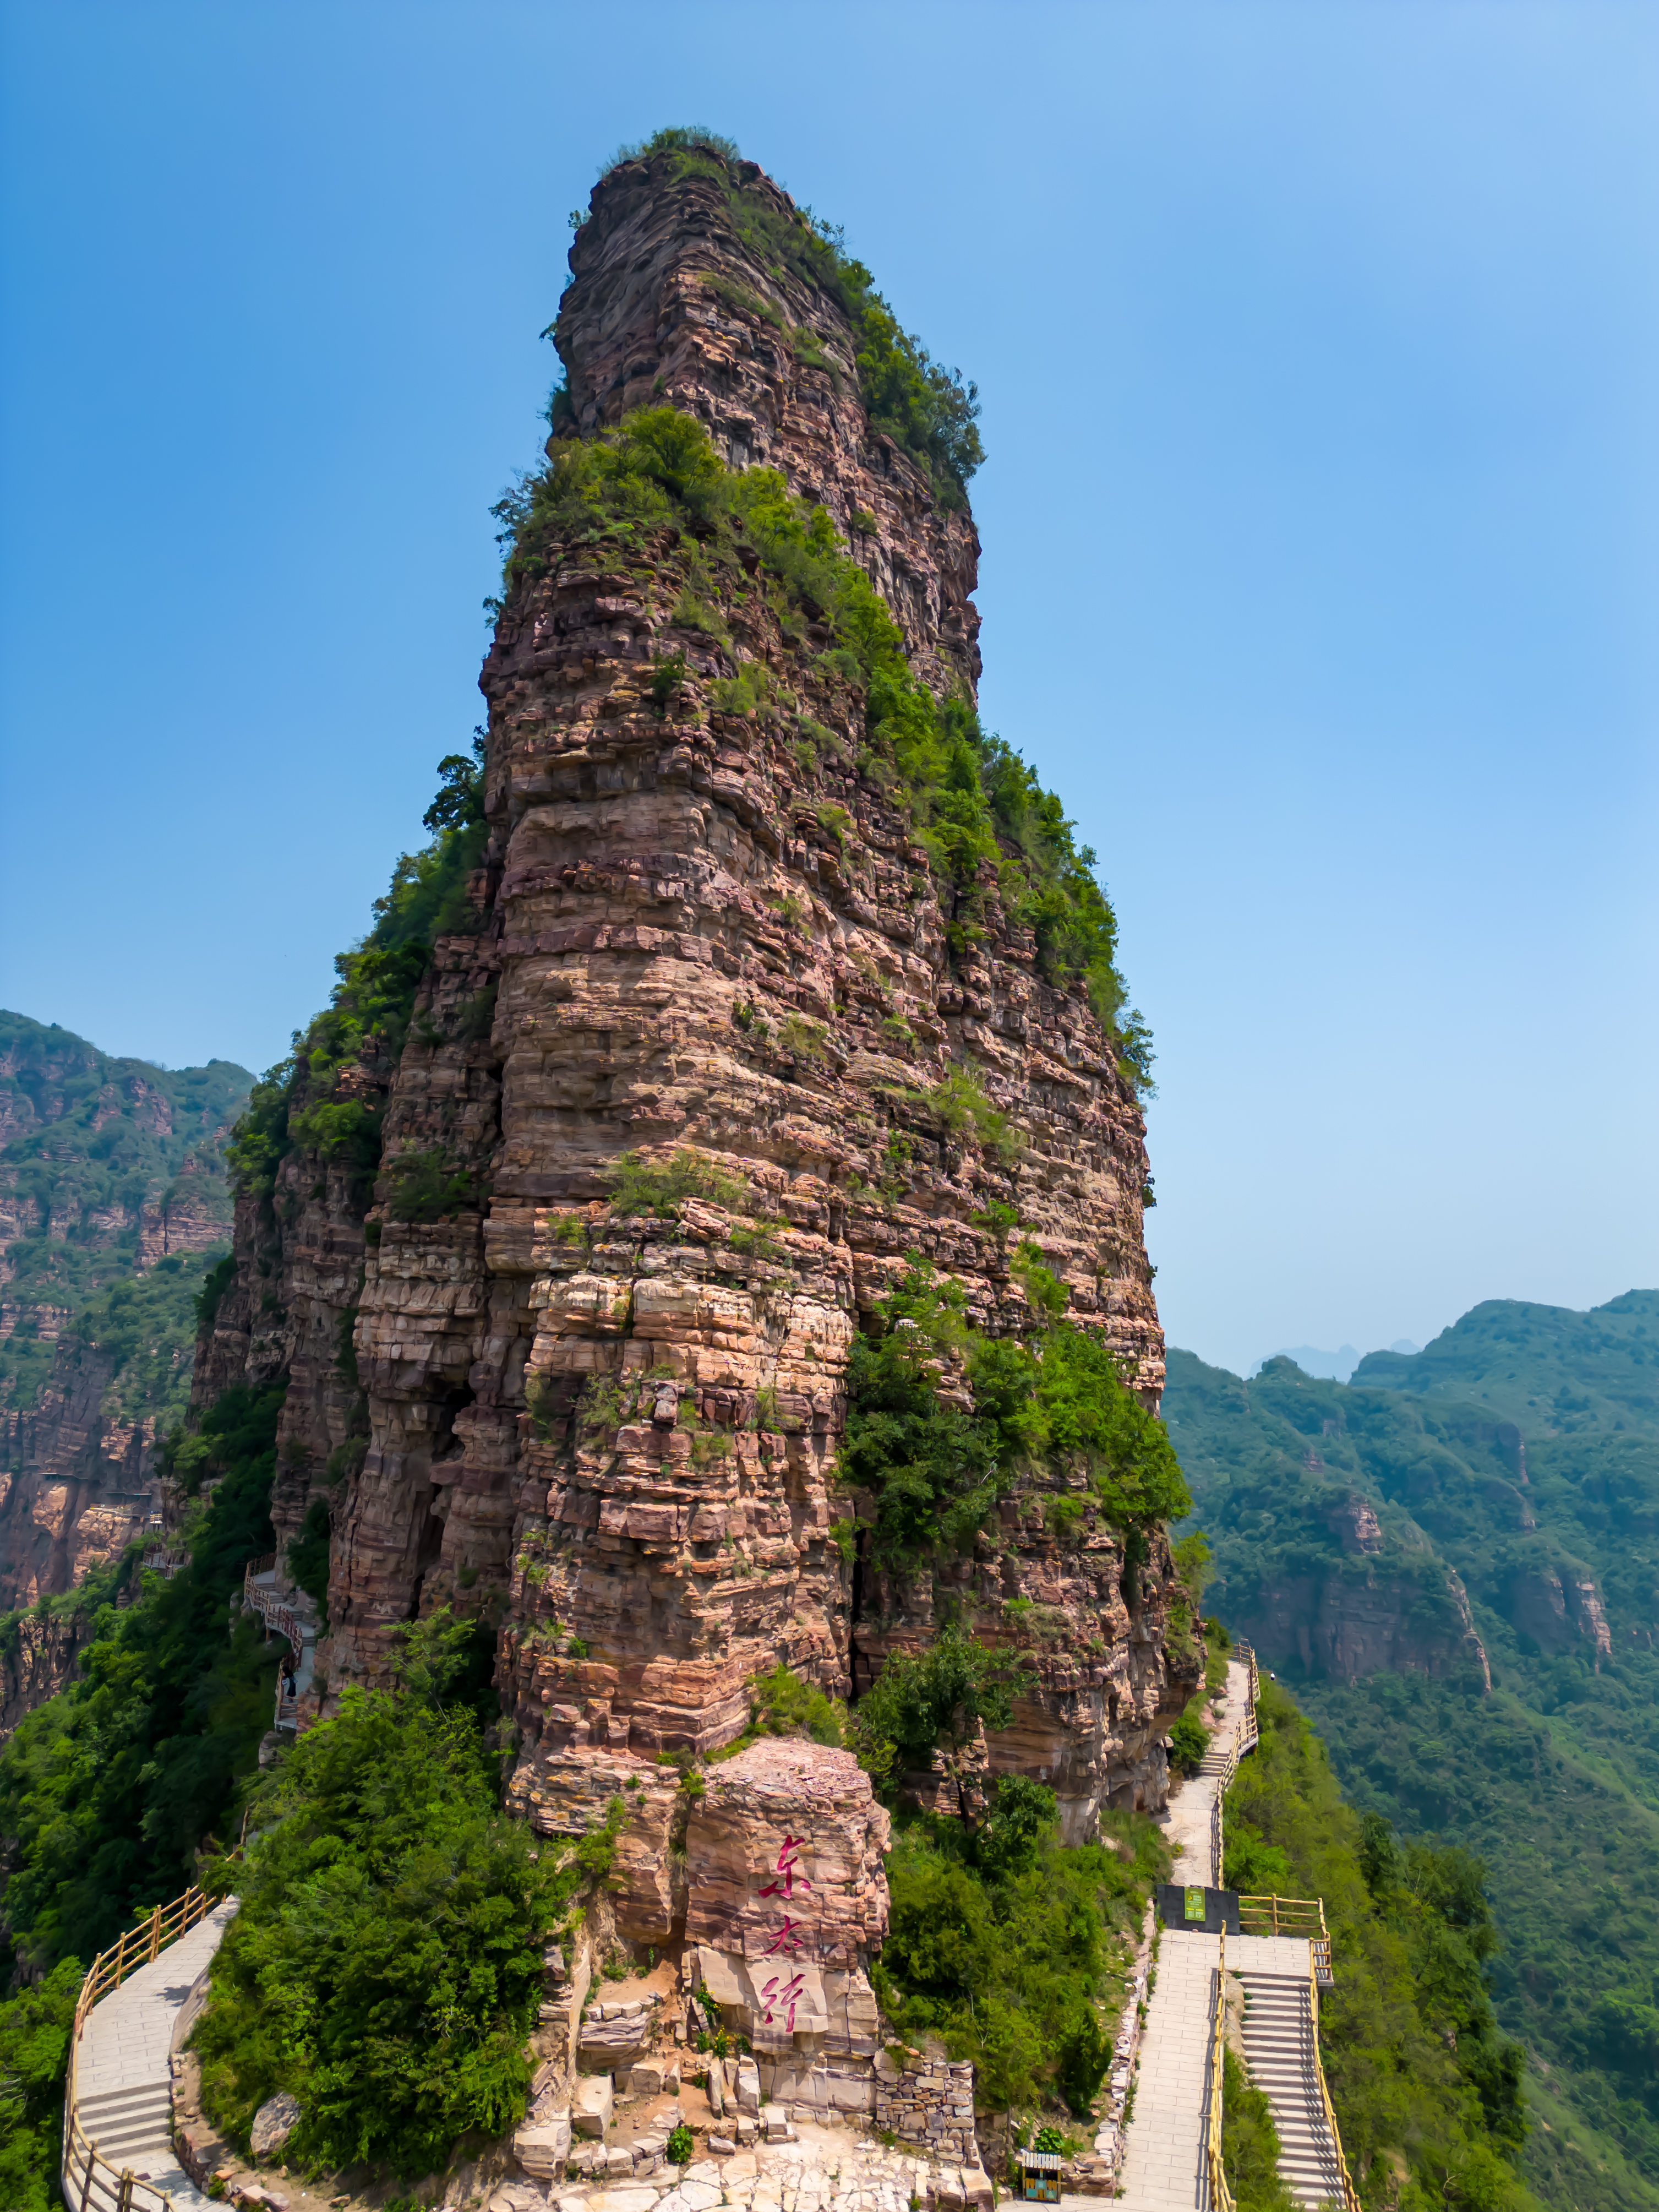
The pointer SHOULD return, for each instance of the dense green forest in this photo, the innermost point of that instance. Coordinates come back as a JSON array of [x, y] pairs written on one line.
[[1501, 1485], [107, 1789]]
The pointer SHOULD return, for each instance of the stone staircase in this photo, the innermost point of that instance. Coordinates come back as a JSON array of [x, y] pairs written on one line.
[[1282, 2054], [130, 2124]]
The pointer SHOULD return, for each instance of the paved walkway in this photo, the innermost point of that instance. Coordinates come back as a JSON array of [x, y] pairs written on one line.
[[303, 1608], [1190, 1820], [1164, 2168], [123, 2084]]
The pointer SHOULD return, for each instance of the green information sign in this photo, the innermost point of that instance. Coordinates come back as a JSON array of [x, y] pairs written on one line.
[[1194, 1905]]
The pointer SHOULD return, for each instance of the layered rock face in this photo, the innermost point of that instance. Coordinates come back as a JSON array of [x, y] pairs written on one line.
[[1347, 1628], [36, 1657], [696, 932], [84, 1483], [674, 296]]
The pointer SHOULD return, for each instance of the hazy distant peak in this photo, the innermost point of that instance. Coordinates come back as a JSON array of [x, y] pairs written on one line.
[[1329, 1366]]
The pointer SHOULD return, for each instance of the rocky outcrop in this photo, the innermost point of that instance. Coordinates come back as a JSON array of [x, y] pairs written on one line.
[[82, 1481], [1346, 1627], [672, 297], [1558, 1608], [108, 1168], [38, 1652], [696, 929]]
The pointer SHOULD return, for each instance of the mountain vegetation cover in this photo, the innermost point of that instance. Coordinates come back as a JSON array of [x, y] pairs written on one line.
[[88, 1141], [1495, 1499]]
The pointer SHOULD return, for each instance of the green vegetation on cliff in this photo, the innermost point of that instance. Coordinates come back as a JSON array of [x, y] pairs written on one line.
[[108, 1792], [385, 1964], [938, 1471], [1512, 1468], [1012, 1948], [87, 1143], [654, 487], [927, 410], [35, 2026]]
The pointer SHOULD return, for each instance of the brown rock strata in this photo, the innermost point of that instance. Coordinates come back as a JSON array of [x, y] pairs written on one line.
[[690, 933]]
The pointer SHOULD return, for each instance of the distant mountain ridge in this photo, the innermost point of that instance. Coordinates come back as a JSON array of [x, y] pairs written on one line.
[[1563, 1372], [1455, 1558], [113, 1205], [1336, 1366]]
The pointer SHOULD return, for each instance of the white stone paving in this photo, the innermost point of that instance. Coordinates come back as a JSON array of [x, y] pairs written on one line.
[[125, 2049], [1164, 2161], [1163, 2151]]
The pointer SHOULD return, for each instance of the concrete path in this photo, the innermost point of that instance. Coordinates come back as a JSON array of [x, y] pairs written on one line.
[[1164, 2166], [1190, 1819], [1163, 2162], [124, 2083]]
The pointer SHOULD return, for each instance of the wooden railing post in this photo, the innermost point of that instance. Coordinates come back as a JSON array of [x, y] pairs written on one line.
[[154, 1931]]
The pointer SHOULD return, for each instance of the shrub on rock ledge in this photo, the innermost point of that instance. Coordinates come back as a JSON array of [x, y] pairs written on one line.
[[385, 1965]]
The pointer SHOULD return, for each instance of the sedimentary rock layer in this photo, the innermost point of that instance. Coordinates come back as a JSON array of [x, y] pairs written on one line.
[[695, 929]]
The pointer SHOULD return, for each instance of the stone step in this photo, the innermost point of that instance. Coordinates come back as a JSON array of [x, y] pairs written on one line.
[[130, 2095], [154, 2125]]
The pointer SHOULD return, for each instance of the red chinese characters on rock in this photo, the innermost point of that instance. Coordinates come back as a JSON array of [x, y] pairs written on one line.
[[787, 1868], [778, 1996], [788, 1939]]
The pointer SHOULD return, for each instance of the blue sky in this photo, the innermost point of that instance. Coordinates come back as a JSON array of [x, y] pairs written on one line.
[[1317, 351]]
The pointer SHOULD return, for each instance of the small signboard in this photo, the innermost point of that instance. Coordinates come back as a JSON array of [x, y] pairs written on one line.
[[1207, 1910]]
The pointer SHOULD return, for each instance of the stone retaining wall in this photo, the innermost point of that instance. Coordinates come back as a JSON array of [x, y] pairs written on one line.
[[930, 2105]]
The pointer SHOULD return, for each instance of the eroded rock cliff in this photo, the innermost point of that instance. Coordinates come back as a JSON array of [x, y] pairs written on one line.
[[706, 925]]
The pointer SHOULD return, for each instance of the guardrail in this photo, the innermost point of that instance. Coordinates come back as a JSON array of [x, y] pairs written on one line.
[[1292, 1915], [137, 1947], [1350, 2195], [1247, 1653], [1221, 2198], [1282, 1916], [272, 1607]]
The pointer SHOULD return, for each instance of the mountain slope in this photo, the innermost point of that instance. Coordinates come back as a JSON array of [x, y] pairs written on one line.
[[112, 1206], [1490, 1506]]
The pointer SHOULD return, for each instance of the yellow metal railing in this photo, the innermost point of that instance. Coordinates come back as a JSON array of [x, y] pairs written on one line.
[[81, 2159], [1283, 1916], [1247, 1653], [1221, 2198], [1349, 2194], [1291, 1916]]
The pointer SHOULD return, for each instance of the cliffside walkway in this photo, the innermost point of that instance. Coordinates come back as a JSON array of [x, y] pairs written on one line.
[[289, 1613], [117, 2116], [1172, 2153], [1195, 1816]]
